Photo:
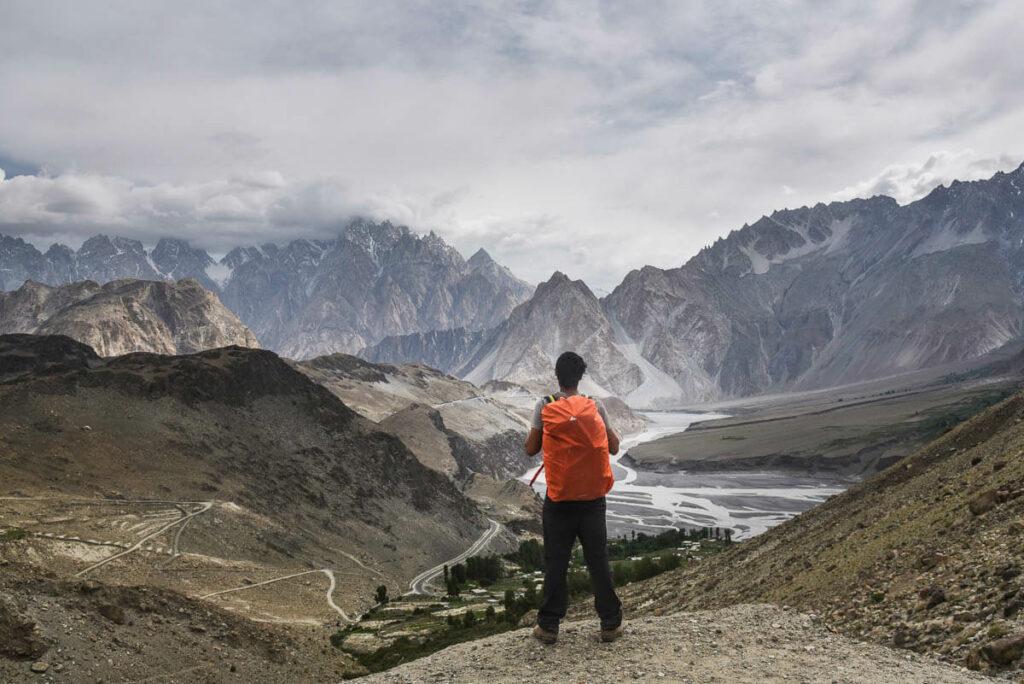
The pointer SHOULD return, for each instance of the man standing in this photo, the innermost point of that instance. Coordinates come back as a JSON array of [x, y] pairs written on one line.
[[576, 437]]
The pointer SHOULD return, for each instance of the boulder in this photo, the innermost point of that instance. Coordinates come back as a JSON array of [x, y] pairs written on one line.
[[1005, 651], [113, 613], [932, 596], [983, 503]]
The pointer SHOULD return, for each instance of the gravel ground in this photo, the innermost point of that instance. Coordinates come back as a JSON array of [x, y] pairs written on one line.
[[746, 643]]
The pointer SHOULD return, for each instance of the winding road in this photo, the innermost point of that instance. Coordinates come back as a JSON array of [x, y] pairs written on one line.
[[186, 517], [330, 589], [421, 582]]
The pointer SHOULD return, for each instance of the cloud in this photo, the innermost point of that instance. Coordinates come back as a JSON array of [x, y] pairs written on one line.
[[254, 208], [912, 181], [577, 135]]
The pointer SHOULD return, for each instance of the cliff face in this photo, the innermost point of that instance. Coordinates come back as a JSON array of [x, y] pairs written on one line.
[[125, 316]]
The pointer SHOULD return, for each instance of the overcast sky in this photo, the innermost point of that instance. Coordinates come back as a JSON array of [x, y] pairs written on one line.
[[588, 137]]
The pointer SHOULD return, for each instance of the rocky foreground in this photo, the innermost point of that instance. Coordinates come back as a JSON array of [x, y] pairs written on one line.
[[745, 643]]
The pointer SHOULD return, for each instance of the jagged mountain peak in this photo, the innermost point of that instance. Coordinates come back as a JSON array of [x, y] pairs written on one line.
[[559, 284], [480, 258], [304, 297]]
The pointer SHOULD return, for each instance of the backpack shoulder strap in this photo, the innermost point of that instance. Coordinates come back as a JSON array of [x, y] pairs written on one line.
[[549, 399]]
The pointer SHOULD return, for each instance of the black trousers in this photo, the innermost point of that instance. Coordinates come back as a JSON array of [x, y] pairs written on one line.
[[564, 522]]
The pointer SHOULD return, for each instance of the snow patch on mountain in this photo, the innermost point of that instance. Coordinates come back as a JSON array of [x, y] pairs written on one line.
[[658, 387], [219, 272]]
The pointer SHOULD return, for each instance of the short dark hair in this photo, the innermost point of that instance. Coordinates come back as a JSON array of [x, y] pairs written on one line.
[[569, 368]]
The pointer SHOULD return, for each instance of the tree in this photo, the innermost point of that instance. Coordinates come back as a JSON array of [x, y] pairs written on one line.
[[453, 587], [469, 619], [510, 601], [459, 573], [530, 598], [489, 614], [446, 573], [529, 556], [382, 594]]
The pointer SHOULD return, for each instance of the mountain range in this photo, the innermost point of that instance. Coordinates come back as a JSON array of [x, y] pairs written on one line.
[[308, 297], [802, 299]]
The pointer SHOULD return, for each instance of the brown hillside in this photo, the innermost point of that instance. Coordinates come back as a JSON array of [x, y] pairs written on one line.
[[927, 555]]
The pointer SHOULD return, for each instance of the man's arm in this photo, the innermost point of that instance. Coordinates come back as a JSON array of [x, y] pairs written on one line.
[[613, 440], [613, 437], [533, 441]]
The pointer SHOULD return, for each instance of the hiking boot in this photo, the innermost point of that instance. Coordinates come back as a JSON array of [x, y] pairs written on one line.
[[613, 634], [544, 636]]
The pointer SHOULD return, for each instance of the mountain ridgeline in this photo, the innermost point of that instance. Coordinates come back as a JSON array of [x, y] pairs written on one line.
[[308, 297], [802, 299], [806, 298]]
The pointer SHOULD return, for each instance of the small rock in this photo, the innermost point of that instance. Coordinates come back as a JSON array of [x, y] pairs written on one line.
[[113, 613], [933, 595], [86, 428], [40, 667], [89, 586]]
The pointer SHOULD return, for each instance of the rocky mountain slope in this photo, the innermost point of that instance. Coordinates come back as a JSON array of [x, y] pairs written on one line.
[[491, 430], [743, 644], [84, 630], [307, 297], [271, 472], [831, 294], [447, 350], [927, 555], [562, 314], [125, 316], [450, 425], [315, 297]]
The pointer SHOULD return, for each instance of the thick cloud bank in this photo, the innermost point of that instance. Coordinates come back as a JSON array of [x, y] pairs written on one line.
[[586, 136]]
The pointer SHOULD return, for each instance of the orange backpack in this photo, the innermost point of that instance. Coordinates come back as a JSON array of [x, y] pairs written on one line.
[[575, 449]]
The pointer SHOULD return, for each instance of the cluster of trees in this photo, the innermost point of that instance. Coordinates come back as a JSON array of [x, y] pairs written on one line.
[[638, 544], [624, 572], [529, 556], [469, 618], [484, 570], [515, 607]]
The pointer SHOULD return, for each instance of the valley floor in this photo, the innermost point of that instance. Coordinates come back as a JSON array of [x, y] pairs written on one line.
[[744, 643], [844, 433]]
